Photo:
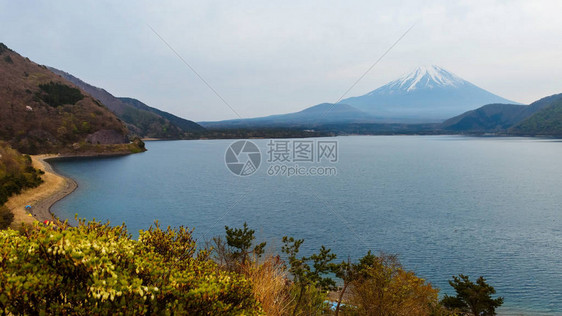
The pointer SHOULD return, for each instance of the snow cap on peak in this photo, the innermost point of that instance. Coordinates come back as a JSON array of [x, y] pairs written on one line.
[[427, 77]]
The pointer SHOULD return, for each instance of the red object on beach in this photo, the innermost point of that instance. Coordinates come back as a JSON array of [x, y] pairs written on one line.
[[46, 222]]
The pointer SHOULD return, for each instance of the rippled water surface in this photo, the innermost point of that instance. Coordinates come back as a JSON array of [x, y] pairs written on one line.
[[445, 204]]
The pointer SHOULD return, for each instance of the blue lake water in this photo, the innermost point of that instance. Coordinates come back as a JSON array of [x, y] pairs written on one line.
[[445, 204]]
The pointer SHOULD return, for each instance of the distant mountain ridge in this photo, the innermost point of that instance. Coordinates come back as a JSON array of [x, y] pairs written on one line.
[[428, 94], [324, 113], [141, 119]]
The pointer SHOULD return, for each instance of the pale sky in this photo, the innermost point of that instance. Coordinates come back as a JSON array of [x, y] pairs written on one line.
[[271, 57]]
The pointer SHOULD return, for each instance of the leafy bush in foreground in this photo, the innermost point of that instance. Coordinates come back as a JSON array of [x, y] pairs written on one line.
[[304, 285], [97, 269]]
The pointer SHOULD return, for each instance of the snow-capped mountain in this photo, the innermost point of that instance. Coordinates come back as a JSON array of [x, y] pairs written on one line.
[[426, 94], [424, 78]]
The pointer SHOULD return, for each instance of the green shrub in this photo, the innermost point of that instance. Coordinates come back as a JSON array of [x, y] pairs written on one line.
[[97, 269], [57, 94], [8, 59], [472, 298], [85, 127]]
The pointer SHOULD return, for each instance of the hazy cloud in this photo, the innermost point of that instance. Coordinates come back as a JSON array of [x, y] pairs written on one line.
[[268, 57]]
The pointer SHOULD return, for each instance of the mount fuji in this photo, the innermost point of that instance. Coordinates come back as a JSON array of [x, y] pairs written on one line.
[[428, 94]]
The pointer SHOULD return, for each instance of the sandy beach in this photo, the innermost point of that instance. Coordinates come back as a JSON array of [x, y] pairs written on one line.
[[41, 198]]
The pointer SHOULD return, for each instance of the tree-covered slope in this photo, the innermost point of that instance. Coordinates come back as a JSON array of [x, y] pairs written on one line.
[[493, 118], [489, 118], [41, 112], [16, 174], [547, 121], [186, 126], [141, 119]]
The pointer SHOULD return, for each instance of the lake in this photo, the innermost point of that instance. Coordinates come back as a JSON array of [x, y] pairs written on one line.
[[445, 204]]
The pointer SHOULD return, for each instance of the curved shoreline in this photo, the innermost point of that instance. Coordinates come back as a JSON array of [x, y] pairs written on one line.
[[42, 208], [54, 188]]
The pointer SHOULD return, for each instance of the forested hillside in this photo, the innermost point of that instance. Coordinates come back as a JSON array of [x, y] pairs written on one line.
[[41, 112]]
